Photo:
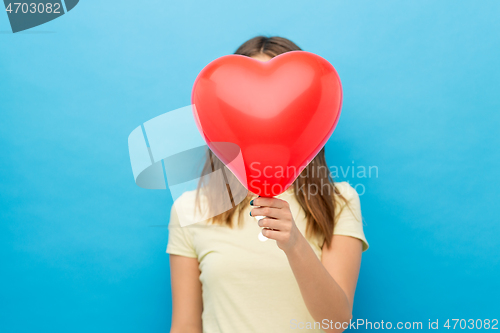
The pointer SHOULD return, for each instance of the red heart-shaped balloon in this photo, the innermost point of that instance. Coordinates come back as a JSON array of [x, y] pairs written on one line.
[[267, 120]]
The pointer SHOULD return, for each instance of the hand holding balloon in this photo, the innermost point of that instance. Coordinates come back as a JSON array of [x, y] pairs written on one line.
[[278, 222]]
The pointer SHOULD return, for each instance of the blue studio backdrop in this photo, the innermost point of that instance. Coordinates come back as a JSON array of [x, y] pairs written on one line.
[[83, 247]]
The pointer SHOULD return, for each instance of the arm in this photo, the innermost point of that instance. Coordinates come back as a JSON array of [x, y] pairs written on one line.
[[327, 285], [187, 302]]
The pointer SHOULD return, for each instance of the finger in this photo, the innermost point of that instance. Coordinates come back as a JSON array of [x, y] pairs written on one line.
[[273, 224], [268, 212], [271, 234], [269, 202]]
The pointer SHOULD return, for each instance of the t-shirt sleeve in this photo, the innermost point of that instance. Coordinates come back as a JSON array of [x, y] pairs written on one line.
[[349, 222], [180, 240]]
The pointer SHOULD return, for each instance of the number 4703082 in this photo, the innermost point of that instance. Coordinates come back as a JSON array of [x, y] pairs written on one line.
[[472, 324], [32, 8]]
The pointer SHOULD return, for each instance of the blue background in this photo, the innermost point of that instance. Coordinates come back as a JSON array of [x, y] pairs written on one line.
[[83, 248]]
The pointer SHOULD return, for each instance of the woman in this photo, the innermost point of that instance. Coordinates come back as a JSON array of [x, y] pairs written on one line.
[[225, 280]]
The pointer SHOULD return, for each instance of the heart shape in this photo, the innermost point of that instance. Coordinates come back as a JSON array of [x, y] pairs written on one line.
[[267, 120]]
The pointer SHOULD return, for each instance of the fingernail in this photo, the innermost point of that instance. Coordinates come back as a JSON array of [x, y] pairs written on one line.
[[250, 213], [251, 202]]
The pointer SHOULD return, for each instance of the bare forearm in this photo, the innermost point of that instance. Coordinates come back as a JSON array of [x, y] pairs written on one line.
[[185, 329], [186, 324], [322, 295]]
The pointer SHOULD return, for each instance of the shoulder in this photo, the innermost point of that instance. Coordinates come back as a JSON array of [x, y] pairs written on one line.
[[347, 191], [349, 220], [347, 203], [186, 199], [184, 210]]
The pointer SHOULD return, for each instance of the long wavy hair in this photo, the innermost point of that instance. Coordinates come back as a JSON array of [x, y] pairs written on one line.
[[319, 207]]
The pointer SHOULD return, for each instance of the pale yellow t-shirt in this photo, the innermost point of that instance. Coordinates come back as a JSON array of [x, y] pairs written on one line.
[[248, 285]]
